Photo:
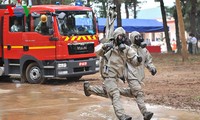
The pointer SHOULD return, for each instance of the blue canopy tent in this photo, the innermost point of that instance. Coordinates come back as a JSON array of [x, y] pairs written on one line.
[[140, 25]]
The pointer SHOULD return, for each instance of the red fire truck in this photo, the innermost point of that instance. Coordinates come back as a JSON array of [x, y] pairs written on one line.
[[65, 49]]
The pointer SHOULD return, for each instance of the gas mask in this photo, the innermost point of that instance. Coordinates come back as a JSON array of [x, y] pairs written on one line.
[[120, 40], [139, 41]]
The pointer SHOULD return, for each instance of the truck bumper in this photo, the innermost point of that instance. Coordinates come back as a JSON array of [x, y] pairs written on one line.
[[73, 68]]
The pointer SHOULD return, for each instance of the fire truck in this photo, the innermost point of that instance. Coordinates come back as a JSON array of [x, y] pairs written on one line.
[[65, 50]]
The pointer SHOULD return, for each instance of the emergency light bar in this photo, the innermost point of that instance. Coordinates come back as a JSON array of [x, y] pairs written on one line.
[[78, 3]]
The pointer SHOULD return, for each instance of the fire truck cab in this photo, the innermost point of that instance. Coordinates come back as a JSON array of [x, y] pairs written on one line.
[[51, 41]]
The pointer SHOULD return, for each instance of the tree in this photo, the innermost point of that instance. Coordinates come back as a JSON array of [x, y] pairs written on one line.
[[118, 9], [135, 2], [126, 8], [193, 16], [103, 8], [198, 19], [162, 7], [38, 2], [190, 15], [182, 31], [88, 3], [173, 13], [178, 42]]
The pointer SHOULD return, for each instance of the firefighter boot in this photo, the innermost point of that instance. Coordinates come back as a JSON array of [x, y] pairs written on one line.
[[148, 115], [86, 86], [126, 117]]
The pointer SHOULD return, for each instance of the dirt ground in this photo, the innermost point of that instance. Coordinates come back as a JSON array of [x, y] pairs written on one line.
[[176, 84]]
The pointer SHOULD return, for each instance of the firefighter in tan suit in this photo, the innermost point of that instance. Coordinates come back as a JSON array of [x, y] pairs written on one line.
[[134, 76], [114, 68]]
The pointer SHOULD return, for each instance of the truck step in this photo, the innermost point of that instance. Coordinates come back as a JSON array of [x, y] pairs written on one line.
[[14, 64]]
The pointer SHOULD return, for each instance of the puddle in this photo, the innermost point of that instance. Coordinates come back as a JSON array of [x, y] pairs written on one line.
[[5, 91]]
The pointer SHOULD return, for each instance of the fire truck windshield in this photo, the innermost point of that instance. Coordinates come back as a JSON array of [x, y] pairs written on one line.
[[76, 23]]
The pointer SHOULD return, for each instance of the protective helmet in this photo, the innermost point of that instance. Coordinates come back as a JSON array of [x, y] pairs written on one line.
[[132, 36], [118, 31], [43, 18]]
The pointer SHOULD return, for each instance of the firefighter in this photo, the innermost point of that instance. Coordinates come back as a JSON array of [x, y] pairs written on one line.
[[42, 25], [113, 69], [16, 27], [134, 76], [71, 22]]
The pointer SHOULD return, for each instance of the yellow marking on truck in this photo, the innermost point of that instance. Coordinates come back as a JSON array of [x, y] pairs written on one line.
[[67, 38], [89, 37], [16, 46], [83, 37], [73, 38], [94, 37], [13, 47], [31, 48], [42, 47]]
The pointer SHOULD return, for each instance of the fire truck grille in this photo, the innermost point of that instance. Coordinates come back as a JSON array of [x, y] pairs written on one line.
[[81, 69], [81, 48]]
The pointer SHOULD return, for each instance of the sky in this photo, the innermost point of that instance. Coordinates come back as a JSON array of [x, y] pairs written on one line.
[[151, 4], [149, 9]]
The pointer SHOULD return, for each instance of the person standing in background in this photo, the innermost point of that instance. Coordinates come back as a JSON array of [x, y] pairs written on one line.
[[192, 44]]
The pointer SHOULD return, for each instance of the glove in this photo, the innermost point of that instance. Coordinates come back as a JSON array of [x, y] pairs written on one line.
[[139, 59], [107, 45], [143, 44], [153, 71]]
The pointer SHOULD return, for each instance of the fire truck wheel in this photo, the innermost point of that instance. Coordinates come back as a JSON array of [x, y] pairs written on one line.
[[34, 74], [74, 78]]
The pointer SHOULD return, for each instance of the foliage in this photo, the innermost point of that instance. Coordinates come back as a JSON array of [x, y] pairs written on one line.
[[187, 9]]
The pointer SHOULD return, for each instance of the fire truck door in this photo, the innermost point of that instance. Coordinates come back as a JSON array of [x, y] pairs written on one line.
[[36, 38], [13, 30]]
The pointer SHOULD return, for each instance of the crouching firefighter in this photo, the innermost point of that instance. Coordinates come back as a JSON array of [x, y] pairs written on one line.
[[113, 70]]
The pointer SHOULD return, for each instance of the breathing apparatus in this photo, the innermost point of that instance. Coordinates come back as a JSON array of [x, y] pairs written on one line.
[[139, 41], [120, 41]]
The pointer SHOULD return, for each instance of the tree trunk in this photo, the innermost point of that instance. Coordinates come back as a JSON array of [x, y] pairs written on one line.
[[198, 25], [178, 42], [169, 48], [104, 8], [38, 2], [88, 3], [126, 9], [182, 32], [34, 2], [193, 16], [135, 8], [118, 9]]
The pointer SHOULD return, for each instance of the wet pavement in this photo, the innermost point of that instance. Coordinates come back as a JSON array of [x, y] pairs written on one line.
[[55, 102]]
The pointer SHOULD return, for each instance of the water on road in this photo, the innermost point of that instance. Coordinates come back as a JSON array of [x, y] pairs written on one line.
[[54, 102]]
